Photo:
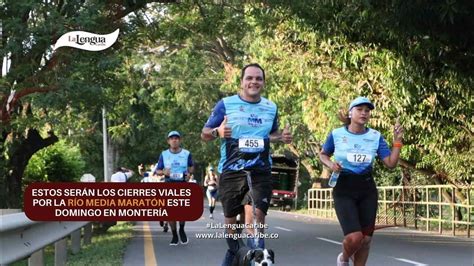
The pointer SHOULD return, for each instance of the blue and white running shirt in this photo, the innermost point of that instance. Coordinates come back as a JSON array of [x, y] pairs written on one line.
[[178, 163], [356, 152], [251, 124]]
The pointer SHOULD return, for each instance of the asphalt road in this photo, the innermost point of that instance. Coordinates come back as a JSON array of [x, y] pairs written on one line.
[[301, 240]]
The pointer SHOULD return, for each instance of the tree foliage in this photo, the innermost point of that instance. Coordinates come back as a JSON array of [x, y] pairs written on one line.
[[174, 61], [48, 94], [61, 162], [321, 54]]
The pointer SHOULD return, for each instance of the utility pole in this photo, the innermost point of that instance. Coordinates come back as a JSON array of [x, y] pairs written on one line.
[[104, 144]]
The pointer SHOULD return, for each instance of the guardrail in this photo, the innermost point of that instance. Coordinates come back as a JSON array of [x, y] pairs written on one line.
[[423, 207], [20, 237]]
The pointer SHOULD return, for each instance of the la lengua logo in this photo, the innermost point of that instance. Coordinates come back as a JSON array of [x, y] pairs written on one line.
[[90, 40], [87, 41]]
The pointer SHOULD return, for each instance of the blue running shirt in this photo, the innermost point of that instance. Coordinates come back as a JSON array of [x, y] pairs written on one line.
[[177, 162], [251, 123], [356, 151]]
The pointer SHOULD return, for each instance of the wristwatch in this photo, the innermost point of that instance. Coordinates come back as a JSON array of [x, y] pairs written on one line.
[[215, 133]]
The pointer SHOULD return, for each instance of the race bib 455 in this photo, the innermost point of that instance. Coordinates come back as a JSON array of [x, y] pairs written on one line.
[[251, 144]]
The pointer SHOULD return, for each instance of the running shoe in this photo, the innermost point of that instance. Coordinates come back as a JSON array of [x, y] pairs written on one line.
[[340, 262], [183, 237], [174, 241]]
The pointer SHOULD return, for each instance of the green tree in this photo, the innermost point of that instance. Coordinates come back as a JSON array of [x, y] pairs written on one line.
[[174, 61], [61, 162], [44, 90], [320, 55]]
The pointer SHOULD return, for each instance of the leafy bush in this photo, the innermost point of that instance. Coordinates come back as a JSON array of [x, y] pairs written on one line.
[[61, 162]]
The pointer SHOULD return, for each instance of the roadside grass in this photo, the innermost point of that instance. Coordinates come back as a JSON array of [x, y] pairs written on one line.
[[106, 248], [301, 211], [292, 210]]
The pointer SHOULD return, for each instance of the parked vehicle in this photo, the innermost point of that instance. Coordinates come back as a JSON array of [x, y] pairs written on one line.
[[284, 177]]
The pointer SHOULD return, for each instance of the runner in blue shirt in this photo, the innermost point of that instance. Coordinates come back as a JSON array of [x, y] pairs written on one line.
[[176, 164], [246, 123], [354, 147]]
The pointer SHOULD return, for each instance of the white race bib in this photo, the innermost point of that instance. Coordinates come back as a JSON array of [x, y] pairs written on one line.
[[359, 157], [176, 176], [251, 144]]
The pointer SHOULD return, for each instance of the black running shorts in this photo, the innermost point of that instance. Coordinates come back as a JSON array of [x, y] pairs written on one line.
[[234, 191], [356, 207]]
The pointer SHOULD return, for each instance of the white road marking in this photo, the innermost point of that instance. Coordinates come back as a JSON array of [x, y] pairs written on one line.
[[329, 240], [284, 229], [399, 259], [411, 262]]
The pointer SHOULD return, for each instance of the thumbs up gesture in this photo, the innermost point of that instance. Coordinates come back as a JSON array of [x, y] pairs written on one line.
[[286, 135], [224, 130]]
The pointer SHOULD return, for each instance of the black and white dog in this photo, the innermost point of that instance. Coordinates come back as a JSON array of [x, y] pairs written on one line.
[[260, 257]]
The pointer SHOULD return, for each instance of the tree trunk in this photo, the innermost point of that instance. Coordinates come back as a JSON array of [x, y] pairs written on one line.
[[448, 197], [313, 172], [20, 151]]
